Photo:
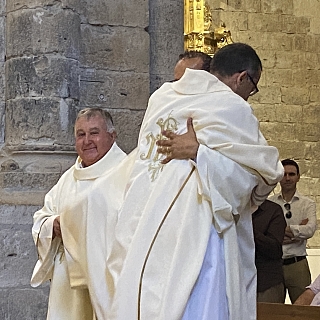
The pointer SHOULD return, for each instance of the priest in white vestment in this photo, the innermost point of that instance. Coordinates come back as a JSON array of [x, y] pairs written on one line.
[[63, 259], [183, 246]]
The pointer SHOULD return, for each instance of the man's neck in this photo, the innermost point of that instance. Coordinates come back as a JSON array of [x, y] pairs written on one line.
[[287, 196]]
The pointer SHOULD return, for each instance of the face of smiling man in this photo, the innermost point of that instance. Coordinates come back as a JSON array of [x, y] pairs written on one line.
[[93, 140]]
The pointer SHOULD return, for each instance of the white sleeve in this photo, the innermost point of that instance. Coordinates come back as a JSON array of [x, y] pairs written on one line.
[[221, 177], [303, 232], [42, 236]]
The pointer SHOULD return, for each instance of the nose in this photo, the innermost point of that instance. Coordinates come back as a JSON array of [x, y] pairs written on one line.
[[87, 139]]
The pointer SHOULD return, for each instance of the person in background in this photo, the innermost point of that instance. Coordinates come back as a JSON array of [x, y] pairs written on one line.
[[300, 214], [268, 230], [60, 228]]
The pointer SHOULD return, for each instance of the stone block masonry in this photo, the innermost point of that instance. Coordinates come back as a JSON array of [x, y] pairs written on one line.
[[56, 58], [286, 35]]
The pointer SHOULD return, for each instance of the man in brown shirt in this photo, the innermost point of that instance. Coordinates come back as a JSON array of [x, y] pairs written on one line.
[[268, 229]]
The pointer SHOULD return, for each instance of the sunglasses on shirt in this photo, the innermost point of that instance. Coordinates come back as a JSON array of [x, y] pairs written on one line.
[[289, 213]]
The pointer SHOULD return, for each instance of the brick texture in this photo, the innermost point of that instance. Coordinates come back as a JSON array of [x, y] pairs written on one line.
[[286, 36]]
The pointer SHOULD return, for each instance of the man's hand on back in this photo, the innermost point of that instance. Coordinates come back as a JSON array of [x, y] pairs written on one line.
[[184, 146]]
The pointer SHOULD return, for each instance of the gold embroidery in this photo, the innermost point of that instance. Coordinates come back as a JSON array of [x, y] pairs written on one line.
[[155, 167], [152, 141]]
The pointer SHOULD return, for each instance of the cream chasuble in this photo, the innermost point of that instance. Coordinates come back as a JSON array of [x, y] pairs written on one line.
[[66, 264], [169, 210]]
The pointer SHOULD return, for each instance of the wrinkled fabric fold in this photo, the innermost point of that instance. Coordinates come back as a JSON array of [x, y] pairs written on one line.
[[233, 162], [67, 267]]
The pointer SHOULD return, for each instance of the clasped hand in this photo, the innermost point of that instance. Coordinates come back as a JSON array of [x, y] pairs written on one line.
[[184, 146], [56, 232]]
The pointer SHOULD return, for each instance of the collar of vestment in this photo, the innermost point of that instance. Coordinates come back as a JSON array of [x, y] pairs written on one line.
[[197, 82], [97, 169]]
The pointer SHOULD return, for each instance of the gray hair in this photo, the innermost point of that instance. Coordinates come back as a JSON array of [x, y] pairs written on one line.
[[97, 112]]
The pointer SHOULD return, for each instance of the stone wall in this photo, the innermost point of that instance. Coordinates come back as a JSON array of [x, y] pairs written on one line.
[[2, 70], [114, 63], [286, 35], [58, 57]]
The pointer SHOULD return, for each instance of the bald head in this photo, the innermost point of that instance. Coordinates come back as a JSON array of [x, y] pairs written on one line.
[[192, 60], [193, 63]]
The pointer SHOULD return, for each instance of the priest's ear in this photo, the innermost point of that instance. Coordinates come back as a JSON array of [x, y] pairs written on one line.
[[236, 81], [242, 84], [241, 77], [113, 135]]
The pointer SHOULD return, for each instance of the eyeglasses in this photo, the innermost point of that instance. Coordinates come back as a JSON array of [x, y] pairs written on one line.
[[256, 89], [289, 213]]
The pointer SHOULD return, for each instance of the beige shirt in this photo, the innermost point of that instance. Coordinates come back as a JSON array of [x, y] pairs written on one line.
[[301, 208]]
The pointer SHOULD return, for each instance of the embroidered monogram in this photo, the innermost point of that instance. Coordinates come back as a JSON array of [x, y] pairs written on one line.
[[155, 167]]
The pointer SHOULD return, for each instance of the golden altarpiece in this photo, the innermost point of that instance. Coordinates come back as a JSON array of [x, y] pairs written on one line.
[[199, 32]]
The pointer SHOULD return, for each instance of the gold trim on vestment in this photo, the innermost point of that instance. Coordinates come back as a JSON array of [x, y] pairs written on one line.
[[154, 239], [155, 158]]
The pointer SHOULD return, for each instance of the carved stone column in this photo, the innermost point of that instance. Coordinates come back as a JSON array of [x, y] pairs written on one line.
[[166, 39], [42, 95], [40, 56]]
